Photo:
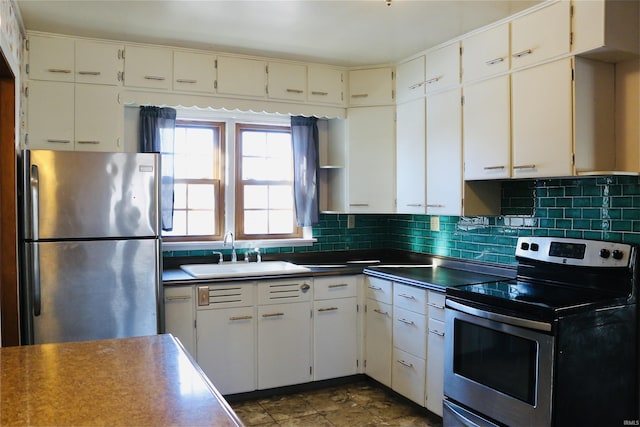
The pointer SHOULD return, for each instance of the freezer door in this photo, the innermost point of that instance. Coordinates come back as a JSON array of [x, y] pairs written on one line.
[[68, 195], [89, 290]]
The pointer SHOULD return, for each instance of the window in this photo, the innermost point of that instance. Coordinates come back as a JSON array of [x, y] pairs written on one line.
[[198, 171], [264, 183]]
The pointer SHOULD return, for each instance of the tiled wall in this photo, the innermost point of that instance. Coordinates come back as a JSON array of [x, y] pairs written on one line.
[[603, 208]]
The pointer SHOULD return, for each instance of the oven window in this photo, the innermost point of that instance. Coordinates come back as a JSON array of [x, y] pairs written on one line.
[[498, 360]]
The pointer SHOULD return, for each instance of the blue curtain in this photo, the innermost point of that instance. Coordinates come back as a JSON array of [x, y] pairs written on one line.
[[304, 138], [157, 131]]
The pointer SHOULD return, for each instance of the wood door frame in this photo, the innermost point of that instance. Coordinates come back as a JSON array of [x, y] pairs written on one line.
[[9, 294]]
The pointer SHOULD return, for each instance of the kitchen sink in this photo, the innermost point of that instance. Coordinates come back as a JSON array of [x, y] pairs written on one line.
[[243, 269]]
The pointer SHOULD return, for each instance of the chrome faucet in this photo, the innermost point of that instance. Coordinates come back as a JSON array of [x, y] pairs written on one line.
[[234, 257]]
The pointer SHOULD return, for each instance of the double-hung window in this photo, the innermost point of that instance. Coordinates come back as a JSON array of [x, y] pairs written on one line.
[[198, 187]]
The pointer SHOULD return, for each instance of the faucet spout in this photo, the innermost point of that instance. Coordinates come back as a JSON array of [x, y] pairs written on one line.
[[229, 235]]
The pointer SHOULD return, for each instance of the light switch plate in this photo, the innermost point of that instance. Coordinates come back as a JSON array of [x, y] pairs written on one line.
[[435, 223], [351, 221]]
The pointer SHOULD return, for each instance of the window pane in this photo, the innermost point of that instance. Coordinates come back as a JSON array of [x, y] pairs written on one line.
[[254, 144], [256, 222], [281, 222], [256, 197], [254, 168], [280, 197], [201, 196], [201, 223], [179, 196], [179, 224]]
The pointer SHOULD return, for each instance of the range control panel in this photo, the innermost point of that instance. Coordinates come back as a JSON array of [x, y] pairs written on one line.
[[579, 252]]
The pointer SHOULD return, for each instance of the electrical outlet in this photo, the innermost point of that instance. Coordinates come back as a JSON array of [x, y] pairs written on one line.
[[351, 221], [435, 223]]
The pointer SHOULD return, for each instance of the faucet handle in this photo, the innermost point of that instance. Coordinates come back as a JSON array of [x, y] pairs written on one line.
[[258, 255], [220, 257]]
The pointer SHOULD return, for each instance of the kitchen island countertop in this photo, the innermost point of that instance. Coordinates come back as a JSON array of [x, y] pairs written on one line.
[[141, 381]]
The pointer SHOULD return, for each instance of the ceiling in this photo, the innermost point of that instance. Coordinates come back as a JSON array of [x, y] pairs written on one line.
[[338, 32]]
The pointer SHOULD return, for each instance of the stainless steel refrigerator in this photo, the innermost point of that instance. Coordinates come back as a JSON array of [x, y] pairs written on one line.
[[90, 247]]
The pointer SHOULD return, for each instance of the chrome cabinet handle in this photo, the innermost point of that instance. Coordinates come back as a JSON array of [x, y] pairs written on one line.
[[59, 141], [89, 73], [88, 142], [384, 313], [240, 317], [272, 314], [294, 90], [154, 78], [339, 285], [494, 61], [360, 95], [406, 322], [416, 85], [415, 205], [59, 70], [403, 363], [522, 53], [435, 206], [433, 80], [430, 304], [375, 288], [315, 92], [490, 168], [359, 204], [328, 309], [177, 297], [186, 81], [525, 167], [407, 296], [433, 331]]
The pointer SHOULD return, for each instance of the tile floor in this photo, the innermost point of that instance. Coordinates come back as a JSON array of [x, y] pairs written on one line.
[[362, 403]]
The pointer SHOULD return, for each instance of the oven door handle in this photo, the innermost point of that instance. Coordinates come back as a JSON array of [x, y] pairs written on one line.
[[503, 318]]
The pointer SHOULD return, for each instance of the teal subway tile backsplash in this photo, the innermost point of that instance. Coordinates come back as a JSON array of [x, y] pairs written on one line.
[[602, 208]]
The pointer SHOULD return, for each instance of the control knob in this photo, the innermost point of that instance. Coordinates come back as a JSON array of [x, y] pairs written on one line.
[[617, 254], [605, 253]]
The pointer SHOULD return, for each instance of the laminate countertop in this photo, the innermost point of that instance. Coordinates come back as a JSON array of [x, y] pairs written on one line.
[[141, 381]]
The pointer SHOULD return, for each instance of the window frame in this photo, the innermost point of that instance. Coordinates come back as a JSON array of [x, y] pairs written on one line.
[[239, 186], [218, 183]]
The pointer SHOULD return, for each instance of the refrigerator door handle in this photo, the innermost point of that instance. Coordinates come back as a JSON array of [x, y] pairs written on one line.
[[35, 269], [34, 182]]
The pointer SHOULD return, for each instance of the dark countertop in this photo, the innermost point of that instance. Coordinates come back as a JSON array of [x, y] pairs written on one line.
[[141, 381]]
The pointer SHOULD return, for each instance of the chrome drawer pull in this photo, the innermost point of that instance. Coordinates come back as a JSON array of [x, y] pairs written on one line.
[[430, 304], [89, 73], [58, 70], [523, 53], [490, 168], [178, 297], [433, 80], [328, 309], [186, 81], [375, 288], [360, 95], [415, 205], [494, 61], [435, 206], [359, 204], [433, 331], [154, 78], [59, 141], [416, 85], [88, 142], [407, 296], [403, 363], [315, 92], [294, 90], [525, 167], [241, 317], [406, 322], [340, 285], [384, 313], [272, 314]]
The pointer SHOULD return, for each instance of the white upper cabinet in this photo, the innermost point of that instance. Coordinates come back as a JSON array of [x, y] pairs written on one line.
[[540, 35], [373, 86], [486, 53], [99, 62], [194, 72], [444, 153], [542, 121], [148, 67], [51, 58], [98, 118], [50, 115], [487, 129], [443, 68], [606, 29], [287, 81], [242, 77], [410, 77], [410, 157], [325, 85]]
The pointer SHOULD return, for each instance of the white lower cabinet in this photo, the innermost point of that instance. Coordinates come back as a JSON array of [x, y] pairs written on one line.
[[284, 333], [435, 353], [408, 375], [377, 348], [180, 315]]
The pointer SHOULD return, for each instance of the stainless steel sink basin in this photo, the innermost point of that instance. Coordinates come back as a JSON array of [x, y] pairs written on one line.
[[242, 269]]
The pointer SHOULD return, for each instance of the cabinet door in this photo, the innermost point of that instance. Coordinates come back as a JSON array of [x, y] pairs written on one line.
[[542, 121], [287, 81], [444, 153], [410, 77], [378, 345], [443, 68], [435, 366], [486, 53], [51, 58], [98, 62], [239, 76], [408, 376], [487, 129], [372, 86], [50, 115], [335, 338], [147, 67], [179, 315], [194, 72], [98, 118], [227, 348], [540, 35], [371, 168], [411, 178], [325, 85], [284, 344]]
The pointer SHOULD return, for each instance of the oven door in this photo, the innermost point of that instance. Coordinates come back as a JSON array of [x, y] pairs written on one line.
[[496, 369]]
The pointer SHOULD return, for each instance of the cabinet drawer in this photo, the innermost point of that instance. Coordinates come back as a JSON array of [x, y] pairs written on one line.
[[408, 376], [226, 295], [436, 327], [284, 291], [410, 298], [410, 332], [436, 305], [379, 290], [335, 287]]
